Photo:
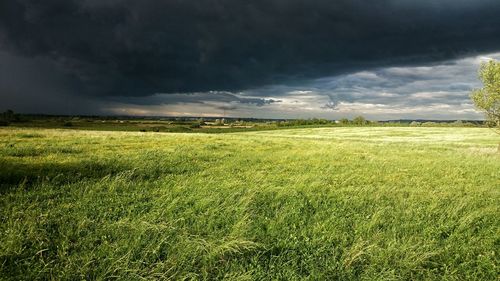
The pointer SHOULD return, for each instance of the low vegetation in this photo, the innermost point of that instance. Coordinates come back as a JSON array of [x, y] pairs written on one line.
[[203, 125], [372, 203]]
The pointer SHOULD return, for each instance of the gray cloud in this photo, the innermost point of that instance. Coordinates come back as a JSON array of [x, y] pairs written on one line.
[[432, 91], [200, 97]]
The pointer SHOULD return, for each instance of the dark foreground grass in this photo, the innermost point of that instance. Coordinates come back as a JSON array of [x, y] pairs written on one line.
[[317, 204]]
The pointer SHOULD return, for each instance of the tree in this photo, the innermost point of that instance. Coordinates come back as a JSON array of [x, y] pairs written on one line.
[[487, 99], [344, 121], [359, 120], [7, 117]]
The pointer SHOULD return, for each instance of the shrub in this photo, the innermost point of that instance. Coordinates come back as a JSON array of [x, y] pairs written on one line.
[[195, 125]]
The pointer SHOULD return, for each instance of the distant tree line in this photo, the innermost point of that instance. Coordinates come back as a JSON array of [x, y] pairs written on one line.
[[458, 123], [188, 124], [357, 121], [304, 122]]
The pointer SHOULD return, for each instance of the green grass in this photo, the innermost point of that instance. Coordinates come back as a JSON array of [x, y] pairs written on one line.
[[314, 204]]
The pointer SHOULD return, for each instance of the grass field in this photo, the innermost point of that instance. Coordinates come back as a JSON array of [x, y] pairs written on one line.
[[318, 204]]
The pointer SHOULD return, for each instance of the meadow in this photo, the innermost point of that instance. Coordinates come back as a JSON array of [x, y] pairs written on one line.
[[338, 203]]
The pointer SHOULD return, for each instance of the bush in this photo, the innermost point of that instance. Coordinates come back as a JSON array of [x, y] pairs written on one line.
[[195, 125], [68, 124]]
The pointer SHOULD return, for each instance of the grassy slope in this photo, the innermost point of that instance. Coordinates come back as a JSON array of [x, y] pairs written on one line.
[[327, 203]]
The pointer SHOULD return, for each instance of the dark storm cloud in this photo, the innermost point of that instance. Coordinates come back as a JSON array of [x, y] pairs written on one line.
[[34, 85], [139, 48]]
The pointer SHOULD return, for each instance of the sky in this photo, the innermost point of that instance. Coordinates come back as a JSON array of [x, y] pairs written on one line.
[[386, 59]]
